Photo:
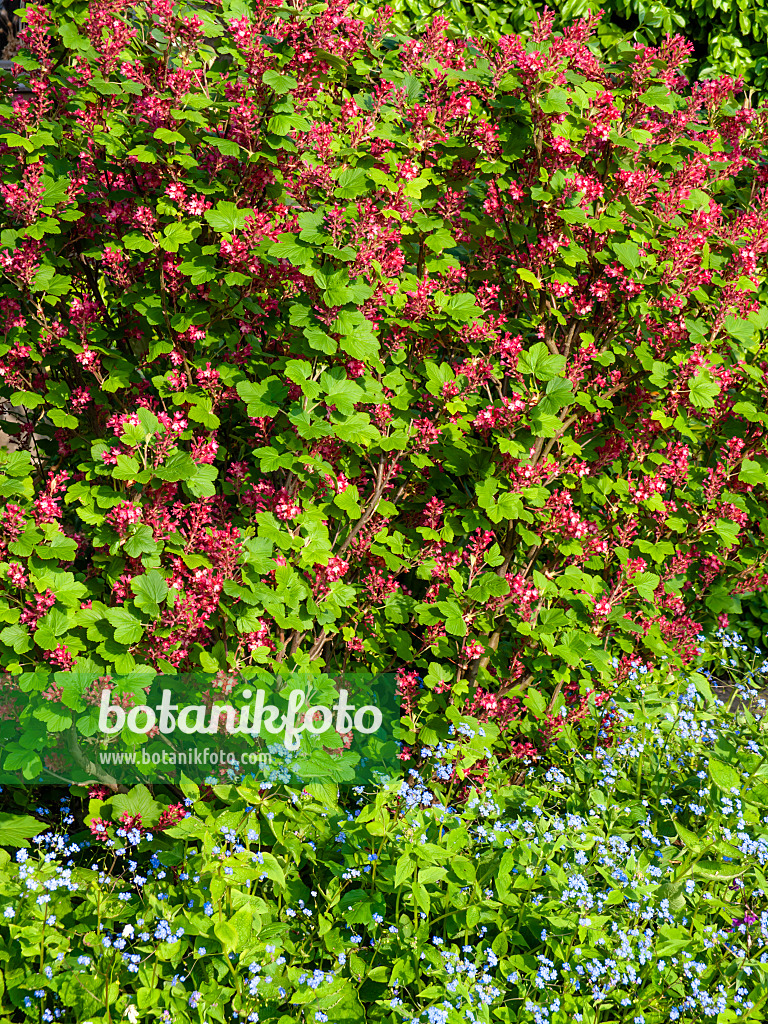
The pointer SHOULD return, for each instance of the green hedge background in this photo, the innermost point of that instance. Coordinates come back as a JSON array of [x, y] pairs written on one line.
[[730, 36]]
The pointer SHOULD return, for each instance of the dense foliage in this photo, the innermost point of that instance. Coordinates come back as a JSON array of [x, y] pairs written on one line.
[[729, 36], [622, 886], [753, 618]]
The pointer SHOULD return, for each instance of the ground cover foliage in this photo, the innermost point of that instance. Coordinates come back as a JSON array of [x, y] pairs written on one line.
[[336, 350], [614, 885]]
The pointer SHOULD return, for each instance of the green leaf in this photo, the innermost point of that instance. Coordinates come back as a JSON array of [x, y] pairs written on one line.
[[440, 240], [465, 868], [295, 253], [645, 583], [178, 466], [658, 96], [175, 235], [149, 590], [128, 629], [325, 793], [138, 801], [278, 82], [201, 483], [727, 531], [199, 269], [536, 702], [134, 240], [50, 628], [572, 215], [263, 398], [226, 216], [227, 936], [189, 826], [127, 468], [539, 362], [258, 553], [73, 40], [55, 191], [30, 400], [56, 721], [59, 546], [140, 542], [628, 253], [752, 473], [281, 124], [273, 869], [724, 776], [454, 621], [462, 307], [702, 390], [690, 839], [544, 423], [356, 429], [319, 340], [62, 419], [342, 393], [365, 348], [559, 394], [13, 140], [555, 102], [491, 585], [661, 372], [715, 871], [25, 544], [16, 637], [16, 829], [347, 501], [748, 411], [528, 275], [169, 137], [227, 147], [404, 869], [352, 182]]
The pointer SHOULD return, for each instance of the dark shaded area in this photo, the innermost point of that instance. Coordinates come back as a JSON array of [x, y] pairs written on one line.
[[700, 41], [9, 29], [731, 696]]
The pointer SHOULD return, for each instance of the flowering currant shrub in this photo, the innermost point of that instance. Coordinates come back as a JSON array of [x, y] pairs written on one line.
[[435, 356]]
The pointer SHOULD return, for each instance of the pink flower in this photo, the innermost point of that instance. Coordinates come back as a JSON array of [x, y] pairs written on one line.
[[17, 577]]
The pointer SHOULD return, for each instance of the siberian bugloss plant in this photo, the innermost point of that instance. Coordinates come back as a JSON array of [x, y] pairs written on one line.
[[626, 886], [335, 351]]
